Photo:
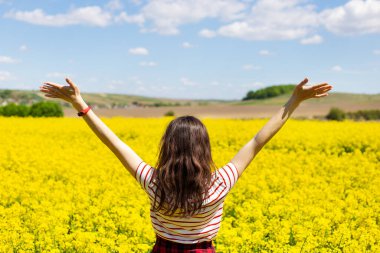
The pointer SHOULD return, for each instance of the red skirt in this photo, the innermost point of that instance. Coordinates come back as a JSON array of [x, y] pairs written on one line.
[[166, 246]]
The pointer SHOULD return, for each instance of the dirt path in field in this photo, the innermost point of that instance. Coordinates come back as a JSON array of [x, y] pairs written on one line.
[[307, 110]]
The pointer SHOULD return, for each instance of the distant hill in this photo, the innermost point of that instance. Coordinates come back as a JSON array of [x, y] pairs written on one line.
[[334, 98], [106, 100], [101, 100]]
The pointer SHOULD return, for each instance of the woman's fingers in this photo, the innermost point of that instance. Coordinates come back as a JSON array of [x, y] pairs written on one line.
[[323, 91], [72, 85], [303, 82], [49, 93], [70, 82], [51, 89], [68, 89], [320, 85], [64, 91], [312, 91], [52, 92], [54, 84], [51, 96], [321, 95], [319, 91], [43, 89]]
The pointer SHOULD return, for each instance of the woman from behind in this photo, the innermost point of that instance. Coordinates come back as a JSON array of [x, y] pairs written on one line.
[[186, 192], [186, 189]]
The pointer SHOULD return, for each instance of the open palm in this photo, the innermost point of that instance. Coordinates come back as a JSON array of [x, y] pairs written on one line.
[[302, 92], [69, 93]]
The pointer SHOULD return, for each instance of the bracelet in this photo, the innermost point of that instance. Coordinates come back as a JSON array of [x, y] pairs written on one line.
[[84, 111]]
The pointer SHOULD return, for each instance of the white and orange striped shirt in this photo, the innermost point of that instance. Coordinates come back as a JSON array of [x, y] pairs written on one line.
[[200, 227]]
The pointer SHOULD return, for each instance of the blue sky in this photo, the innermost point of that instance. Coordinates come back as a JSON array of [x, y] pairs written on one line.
[[190, 49]]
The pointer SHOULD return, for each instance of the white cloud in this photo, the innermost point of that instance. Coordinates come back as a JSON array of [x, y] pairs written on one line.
[[274, 20], [187, 45], [23, 48], [354, 17], [139, 51], [337, 68], [114, 5], [148, 64], [264, 19], [207, 33], [7, 59], [376, 52], [166, 16], [250, 67], [265, 52], [132, 19], [248, 20], [316, 39], [90, 15], [187, 82], [5, 76]]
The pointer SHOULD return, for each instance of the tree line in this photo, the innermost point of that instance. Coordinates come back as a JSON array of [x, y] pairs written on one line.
[[340, 115], [270, 91], [40, 109]]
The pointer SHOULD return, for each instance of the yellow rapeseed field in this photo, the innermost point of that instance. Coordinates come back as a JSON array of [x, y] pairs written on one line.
[[315, 187]]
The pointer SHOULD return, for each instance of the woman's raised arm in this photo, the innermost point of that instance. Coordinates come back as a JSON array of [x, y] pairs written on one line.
[[71, 94], [301, 92]]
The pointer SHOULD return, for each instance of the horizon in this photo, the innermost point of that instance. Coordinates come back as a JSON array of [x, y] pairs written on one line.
[[189, 50], [191, 99]]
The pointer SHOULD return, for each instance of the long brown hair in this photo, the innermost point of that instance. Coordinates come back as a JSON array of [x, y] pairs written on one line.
[[183, 170]]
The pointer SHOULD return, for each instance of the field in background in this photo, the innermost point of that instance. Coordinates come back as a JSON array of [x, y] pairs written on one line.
[[111, 105], [248, 109], [313, 188]]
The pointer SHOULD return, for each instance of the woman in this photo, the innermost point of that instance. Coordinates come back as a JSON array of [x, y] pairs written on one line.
[[186, 195]]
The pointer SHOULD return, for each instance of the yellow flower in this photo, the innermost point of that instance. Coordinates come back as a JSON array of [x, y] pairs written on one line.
[[315, 187]]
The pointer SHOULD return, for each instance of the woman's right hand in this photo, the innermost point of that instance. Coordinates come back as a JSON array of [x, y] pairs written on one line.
[[302, 92], [70, 93]]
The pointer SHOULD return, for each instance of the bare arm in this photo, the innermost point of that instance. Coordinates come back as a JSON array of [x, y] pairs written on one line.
[[248, 152], [71, 94]]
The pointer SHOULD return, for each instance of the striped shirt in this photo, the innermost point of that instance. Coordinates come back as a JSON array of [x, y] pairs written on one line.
[[203, 226]]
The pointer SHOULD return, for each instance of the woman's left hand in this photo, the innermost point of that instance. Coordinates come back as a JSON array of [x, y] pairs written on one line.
[[69, 93]]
